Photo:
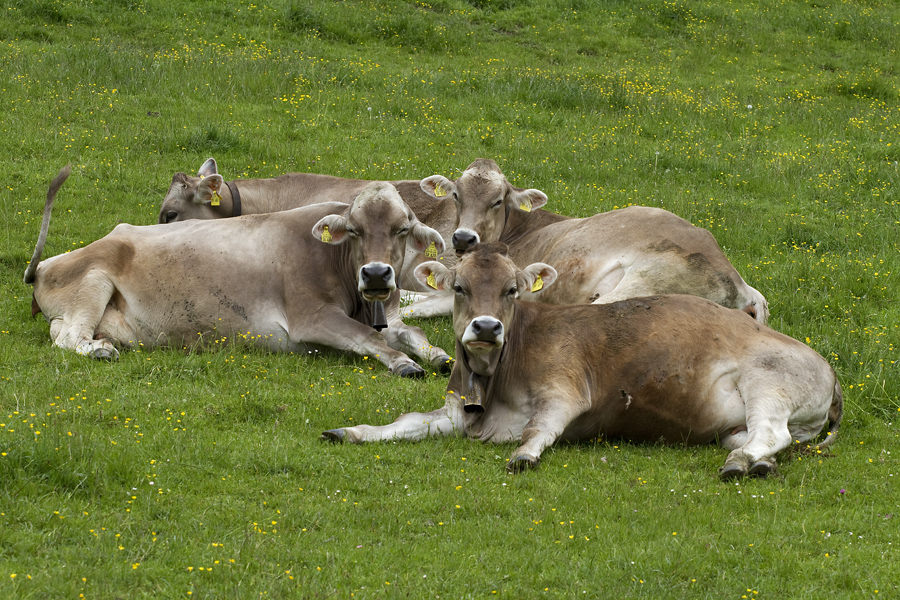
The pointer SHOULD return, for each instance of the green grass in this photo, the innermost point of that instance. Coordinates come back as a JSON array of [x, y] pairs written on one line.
[[200, 474]]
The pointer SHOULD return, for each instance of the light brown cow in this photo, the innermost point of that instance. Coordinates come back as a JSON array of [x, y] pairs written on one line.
[[267, 278], [209, 196], [610, 256], [675, 368]]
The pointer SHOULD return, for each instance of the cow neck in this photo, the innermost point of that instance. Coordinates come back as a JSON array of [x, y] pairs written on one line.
[[476, 387], [520, 224], [517, 225], [235, 198]]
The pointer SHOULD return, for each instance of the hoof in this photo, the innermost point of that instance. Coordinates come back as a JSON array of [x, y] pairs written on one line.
[[411, 370], [105, 354], [521, 463], [334, 435], [732, 471], [444, 364], [762, 468]]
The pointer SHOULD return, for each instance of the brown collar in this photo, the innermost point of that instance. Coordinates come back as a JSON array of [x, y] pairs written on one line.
[[235, 199]]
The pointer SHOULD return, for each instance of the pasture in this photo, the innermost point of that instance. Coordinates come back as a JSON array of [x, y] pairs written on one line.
[[200, 473]]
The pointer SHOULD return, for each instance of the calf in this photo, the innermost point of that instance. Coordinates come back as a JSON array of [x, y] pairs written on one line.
[[263, 277], [675, 368]]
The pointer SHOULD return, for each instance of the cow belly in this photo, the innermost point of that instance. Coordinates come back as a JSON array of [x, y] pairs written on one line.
[[686, 409]]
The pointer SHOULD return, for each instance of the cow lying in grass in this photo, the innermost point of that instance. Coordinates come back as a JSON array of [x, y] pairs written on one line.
[[675, 368], [635, 251], [268, 278], [208, 196]]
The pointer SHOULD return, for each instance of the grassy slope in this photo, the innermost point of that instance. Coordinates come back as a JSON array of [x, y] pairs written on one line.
[[773, 124]]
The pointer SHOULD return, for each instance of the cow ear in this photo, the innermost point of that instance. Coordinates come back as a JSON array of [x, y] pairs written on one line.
[[438, 186], [208, 168], [421, 237], [527, 200], [536, 277], [331, 229], [435, 275], [208, 190]]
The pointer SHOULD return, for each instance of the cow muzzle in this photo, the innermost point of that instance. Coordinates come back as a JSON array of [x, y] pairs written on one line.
[[483, 334], [376, 281], [463, 239]]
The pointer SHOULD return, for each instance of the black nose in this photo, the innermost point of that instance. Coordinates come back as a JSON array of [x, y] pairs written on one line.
[[376, 275], [485, 328], [463, 240]]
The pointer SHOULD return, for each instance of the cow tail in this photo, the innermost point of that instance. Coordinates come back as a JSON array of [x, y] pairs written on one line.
[[835, 412], [45, 223]]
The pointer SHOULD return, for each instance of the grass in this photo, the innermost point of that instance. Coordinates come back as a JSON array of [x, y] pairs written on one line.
[[200, 474]]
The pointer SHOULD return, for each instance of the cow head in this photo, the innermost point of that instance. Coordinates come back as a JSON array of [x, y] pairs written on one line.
[[484, 199], [377, 225], [486, 284], [194, 197]]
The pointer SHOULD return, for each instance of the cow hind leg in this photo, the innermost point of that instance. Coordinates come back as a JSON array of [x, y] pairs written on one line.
[[81, 315], [767, 434]]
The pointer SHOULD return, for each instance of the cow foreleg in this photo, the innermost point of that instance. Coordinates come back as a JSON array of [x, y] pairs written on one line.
[[548, 422], [339, 331], [412, 340], [447, 420]]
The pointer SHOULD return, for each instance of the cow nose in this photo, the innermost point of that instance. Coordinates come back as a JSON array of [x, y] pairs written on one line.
[[486, 328], [376, 276], [463, 240]]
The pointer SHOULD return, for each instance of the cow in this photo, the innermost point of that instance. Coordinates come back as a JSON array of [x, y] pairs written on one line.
[[268, 278], [209, 196], [673, 368], [635, 251]]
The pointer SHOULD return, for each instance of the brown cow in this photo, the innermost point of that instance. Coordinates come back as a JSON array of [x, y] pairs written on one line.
[[261, 277], [675, 368], [209, 196], [636, 251]]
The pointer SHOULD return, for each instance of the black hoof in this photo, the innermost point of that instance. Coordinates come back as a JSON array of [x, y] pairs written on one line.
[[411, 371], [762, 468], [729, 472], [521, 463], [445, 364], [333, 435]]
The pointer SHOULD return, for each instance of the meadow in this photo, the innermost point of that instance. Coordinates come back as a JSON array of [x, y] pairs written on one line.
[[200, 473]]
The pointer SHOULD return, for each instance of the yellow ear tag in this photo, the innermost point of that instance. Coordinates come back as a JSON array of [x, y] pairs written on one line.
[[537, 285], [439, 191], [216, 199], [431, 251], [525, 206], [326, 235], [430, 281]]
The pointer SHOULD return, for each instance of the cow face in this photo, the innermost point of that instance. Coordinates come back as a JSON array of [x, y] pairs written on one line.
[[194, 197], [484, 199], [486, 284], [378, 225]]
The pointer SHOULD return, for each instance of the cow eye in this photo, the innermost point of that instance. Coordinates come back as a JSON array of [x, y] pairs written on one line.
[[403, 231], [513, 291], [497, 204], [352, 232], [457, 288], [171, 216]]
